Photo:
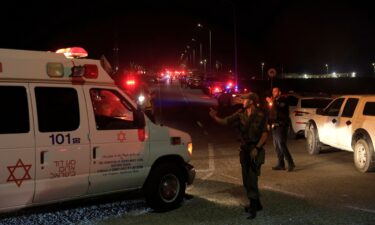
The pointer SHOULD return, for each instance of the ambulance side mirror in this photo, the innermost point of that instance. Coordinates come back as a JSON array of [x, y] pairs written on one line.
[[139, 118]]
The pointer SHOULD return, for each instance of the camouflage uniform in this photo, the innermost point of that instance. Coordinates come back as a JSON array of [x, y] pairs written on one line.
[[251, 129]]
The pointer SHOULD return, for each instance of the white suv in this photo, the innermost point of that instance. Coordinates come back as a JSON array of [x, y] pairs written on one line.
[[301, 108], [347, 123]]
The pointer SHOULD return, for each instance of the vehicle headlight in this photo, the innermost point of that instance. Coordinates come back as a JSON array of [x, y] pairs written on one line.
[[190, 148], [141, 99]]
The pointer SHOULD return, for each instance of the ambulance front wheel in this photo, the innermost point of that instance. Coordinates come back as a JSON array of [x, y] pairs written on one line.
[[165, 187]]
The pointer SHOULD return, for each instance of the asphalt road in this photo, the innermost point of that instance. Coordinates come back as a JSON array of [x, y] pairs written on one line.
[[324, 189]]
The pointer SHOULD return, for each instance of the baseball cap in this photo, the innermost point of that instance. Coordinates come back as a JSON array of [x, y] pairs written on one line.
[[251, 96]]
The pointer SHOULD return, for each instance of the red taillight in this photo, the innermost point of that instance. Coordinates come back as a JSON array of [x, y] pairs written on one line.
[[300, 113], [217, 89], [141, 134]]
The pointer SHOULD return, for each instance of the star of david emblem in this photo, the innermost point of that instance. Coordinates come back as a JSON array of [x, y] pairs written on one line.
[[13, 175], [121, 136]]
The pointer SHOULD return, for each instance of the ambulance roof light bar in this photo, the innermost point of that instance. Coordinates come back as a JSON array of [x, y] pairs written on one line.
[[73, 52]]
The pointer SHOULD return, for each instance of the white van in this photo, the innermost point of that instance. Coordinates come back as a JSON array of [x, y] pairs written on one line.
[[68, 132]]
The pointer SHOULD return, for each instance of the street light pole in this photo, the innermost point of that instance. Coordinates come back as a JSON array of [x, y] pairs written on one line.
[[373, 66], [262, 64], [209, 45], [235, 44], [327, 68]]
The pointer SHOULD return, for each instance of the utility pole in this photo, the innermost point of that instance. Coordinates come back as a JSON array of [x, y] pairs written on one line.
[[235, 44]]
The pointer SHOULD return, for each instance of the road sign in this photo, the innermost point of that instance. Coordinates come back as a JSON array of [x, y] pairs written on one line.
[[271, 72]]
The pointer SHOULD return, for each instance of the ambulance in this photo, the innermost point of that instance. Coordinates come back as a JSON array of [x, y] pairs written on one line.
[[68, 132]]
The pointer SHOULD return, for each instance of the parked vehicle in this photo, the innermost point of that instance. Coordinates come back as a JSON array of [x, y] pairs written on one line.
[[68, 132], [301, 108], [195, 81], [347, 123]]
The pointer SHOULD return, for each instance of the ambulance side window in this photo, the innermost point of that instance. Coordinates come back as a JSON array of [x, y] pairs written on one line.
[[111, 110], [57, 108], [14, 113]]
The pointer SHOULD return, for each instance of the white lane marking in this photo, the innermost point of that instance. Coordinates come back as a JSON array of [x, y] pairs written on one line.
[[207, 176], [231, 177], [211, 163], [283, 192], [360, 209]]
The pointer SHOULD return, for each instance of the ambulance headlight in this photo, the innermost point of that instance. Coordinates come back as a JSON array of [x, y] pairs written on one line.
[[190, 148]]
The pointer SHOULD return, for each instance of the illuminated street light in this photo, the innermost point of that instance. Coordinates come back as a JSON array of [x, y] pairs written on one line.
[[210, 45], [373, 66], [262, 64], [204, 62], [327, 68]]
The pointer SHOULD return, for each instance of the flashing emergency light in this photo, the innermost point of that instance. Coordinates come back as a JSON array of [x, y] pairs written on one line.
[[89, 71], [55, 69], [78, 71], [217, 89], [73, 52], [130, 82]]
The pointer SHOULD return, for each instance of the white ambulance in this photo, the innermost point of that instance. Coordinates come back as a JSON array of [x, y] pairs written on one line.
[[68, 132]]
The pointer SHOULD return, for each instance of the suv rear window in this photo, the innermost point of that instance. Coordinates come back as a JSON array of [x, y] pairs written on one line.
[[315, 103], [369, 109]]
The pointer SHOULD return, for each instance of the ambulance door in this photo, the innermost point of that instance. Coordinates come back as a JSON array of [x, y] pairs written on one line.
[[17, 147], [118, 143], [62, 145]]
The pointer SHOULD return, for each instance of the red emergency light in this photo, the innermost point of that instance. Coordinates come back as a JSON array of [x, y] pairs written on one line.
[[73, 52], [130, 82]]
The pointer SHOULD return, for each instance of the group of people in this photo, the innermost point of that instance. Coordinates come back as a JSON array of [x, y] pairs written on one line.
[[254, 125]]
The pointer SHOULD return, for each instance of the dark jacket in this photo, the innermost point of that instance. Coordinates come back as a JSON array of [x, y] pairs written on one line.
[[279, 112]]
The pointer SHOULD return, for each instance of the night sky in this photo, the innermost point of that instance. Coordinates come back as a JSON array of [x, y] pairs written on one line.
[[297, 36]]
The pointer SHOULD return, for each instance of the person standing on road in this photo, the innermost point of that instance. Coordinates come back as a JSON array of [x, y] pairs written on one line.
[[279, 123], [251, 122]]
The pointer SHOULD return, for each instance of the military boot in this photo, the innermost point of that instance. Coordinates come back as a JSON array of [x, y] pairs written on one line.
[[258, 206], [253, 208]]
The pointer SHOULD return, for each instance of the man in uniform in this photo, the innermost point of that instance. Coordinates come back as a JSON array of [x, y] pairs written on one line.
[[279, 122], [251, 122]]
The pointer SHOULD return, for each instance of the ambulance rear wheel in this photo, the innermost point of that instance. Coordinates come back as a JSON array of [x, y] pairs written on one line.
[[165, 187]]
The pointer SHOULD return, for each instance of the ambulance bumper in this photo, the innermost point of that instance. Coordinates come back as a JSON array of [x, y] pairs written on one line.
[[190, 173]]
